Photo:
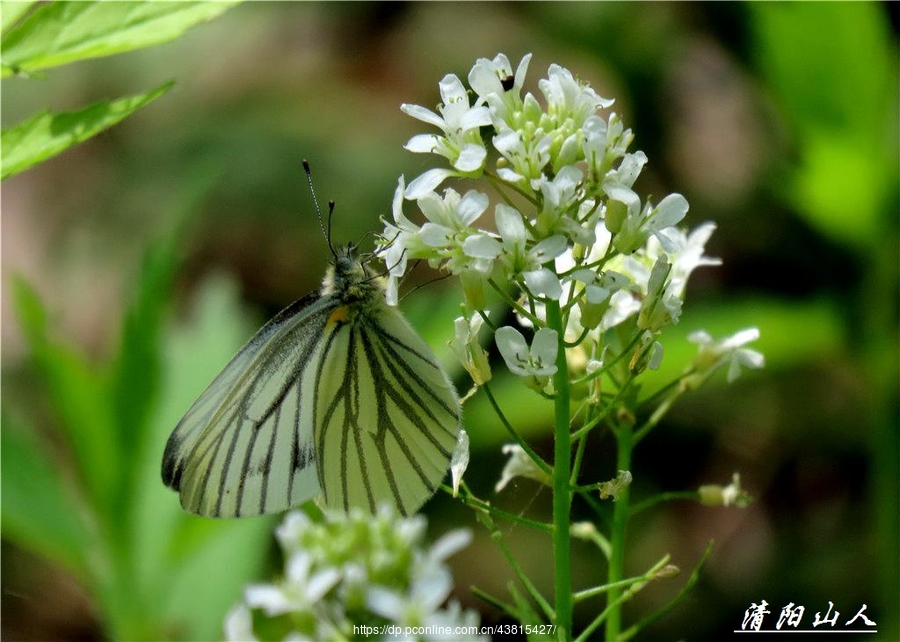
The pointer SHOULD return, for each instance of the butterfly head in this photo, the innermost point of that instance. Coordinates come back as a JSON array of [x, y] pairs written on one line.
[[348, 279]]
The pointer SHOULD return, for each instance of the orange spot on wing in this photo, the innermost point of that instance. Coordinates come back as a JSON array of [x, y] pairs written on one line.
[[339, 315]]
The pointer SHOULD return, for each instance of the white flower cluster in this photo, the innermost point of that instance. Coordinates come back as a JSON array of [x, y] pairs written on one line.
[[570, 226], [354, 569]]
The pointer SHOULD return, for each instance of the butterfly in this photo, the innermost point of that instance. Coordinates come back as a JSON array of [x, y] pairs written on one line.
[[336, 398]]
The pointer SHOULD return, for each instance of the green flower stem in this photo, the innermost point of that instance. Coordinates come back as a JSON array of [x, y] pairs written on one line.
[[615, 606], [520, 573], [658, 414], [538, 461], [624, 435], [689, 495], [561, 470], [692, 580], [467, 498], [646, 577]]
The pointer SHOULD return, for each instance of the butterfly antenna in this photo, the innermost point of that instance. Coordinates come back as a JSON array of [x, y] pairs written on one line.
[[326, 232]]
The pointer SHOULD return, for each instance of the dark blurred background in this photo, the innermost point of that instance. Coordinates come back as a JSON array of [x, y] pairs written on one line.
[[777, 121]]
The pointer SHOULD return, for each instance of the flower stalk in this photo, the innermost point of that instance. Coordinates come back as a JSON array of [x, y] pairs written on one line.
[[616, 572], [593, 274], [562, 499]]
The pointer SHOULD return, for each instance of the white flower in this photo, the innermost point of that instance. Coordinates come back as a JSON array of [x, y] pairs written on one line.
[[468, 350], [461, 143], [430, 585], [604, 143], [239, 625], [352, 568], [632, 225], [537, 361], [660, 306], [401, 239], [526, 156], [520, 260], [687, 254], [560, 206], [494, 83], [460, 459], [568, 98], [449, 214], [519, 464], [730, 495], [299, 592], [729, 350]]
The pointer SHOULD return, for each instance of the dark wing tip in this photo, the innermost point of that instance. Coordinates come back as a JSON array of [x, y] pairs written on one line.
[[171, 471]]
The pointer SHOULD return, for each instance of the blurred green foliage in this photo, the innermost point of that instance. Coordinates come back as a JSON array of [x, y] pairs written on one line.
[[777, 121], [38, 36]]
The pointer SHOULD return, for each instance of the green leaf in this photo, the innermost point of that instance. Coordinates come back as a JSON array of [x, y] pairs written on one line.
[[45, 135], [10, 12], [137, 370], [179, 557], [38, 511], [78, 394], [836, 85], [58, 33]]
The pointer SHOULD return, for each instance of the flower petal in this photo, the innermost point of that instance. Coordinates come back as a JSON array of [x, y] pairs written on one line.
[[471, 158], [543, 282], [425, 115], [481, 246], [422, 143], [427, 182]]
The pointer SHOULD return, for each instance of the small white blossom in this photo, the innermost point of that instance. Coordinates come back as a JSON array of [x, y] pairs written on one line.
[[660, 306], [520, 260], [239, 624], [730, 495], [525, 155], [467, 348], [729, 351], [568, 98], [560, 201], [300, 590], [638, 224], [606, 141], [461, 143], [490, 79], [401, 238], [459, 462], [537, 361], [686, 254], [352, 569], [519, 464]]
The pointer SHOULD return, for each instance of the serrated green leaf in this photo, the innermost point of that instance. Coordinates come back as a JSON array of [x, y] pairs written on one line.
[[58, 33], [38, 511], [46, 134]]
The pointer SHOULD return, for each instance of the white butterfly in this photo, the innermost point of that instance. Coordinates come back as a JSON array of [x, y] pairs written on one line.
[[336, 398]]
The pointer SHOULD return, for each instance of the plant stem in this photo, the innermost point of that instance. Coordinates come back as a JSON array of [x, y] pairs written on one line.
[[623, 433], [561, 470]]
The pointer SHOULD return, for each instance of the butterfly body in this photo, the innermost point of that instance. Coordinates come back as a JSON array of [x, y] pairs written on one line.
[[336, 398]]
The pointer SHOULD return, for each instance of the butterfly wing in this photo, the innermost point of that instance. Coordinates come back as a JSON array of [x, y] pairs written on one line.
[[246, 445], [386, 415]]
